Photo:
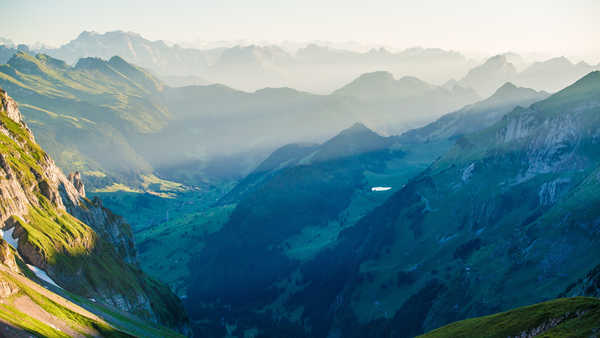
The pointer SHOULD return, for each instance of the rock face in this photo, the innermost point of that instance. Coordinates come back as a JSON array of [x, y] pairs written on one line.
[[588, 286], [80, 244]]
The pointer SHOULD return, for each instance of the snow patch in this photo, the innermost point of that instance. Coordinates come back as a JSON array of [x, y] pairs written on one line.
[[381, 188], [7, 235], [468, 172], [41, 274]]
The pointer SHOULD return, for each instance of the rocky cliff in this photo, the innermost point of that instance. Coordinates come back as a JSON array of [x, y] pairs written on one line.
[[81, 245]]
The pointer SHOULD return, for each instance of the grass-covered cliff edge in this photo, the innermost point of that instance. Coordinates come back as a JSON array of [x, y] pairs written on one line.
[[564, 317], [49, 224]]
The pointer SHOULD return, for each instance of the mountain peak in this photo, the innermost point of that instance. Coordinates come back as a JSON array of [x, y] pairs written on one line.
[[87, 34], [506, 88], [26, 63], [91, 63], [376, 76], [356, 128], [356, 140], [497, 59], [509, 94]]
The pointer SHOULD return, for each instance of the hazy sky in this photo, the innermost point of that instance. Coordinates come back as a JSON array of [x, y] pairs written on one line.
[[557, 27]]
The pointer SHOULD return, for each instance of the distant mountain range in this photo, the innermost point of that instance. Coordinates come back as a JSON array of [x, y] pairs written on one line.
[[314, 68], [254, 67], [114, 118], [550, 75]]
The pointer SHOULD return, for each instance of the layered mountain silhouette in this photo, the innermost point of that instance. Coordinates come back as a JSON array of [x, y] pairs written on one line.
[[260, 66], [550, 75], [120, 120]]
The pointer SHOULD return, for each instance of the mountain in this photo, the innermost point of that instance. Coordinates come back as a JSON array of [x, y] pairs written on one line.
[[477, 116], [549, 75], [252, 67], [386, 99], [184, 80], [337, 66], [114, 121], [6, 52], [489, 76], [289, 209], [262, 66], [379, 85], [516, 60], [52, 232], [504, 219], [240, 67], [574, 317], [87, 115], [155, 55], [553, 74]]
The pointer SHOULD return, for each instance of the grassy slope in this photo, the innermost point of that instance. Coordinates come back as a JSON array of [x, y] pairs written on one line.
[[579, 317], [67, 246], [165, 245], [75, 312], [93, 108]]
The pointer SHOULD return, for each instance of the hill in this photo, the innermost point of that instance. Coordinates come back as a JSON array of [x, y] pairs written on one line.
[[476, 116], [503, 219], [68, 241], [114, 122], [500, 221], [572, 317]]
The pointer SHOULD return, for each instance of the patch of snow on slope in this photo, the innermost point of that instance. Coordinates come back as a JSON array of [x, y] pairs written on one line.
[[381, 188], [41, 274], [7, 235]]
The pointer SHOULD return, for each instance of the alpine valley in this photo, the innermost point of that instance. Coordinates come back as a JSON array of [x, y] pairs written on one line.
[[151, 189]]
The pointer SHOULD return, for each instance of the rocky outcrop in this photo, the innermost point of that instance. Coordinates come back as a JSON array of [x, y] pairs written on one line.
[[7, 256], [588, 286], [75, 179], [80, 244]]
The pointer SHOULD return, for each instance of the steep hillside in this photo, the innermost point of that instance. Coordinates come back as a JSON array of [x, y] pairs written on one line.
[[507, 218], [80, 245], [83, 113], [569, 317], [477, 116], [292, 207]]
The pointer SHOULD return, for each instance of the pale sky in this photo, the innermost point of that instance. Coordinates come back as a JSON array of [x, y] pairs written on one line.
[[570, 28]]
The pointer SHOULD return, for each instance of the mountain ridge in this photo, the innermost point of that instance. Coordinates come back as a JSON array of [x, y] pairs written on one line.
[[95, 259]]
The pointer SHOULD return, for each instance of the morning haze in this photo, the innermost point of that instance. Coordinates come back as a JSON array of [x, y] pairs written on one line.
[[481, 28], [329, 169]]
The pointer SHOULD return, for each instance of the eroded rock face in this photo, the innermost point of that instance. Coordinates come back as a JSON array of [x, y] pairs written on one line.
[[7, 257], [65, 193], [588, 286], [7, 288], [110, 226], [11, 108], [75, 179], [18, 196]]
